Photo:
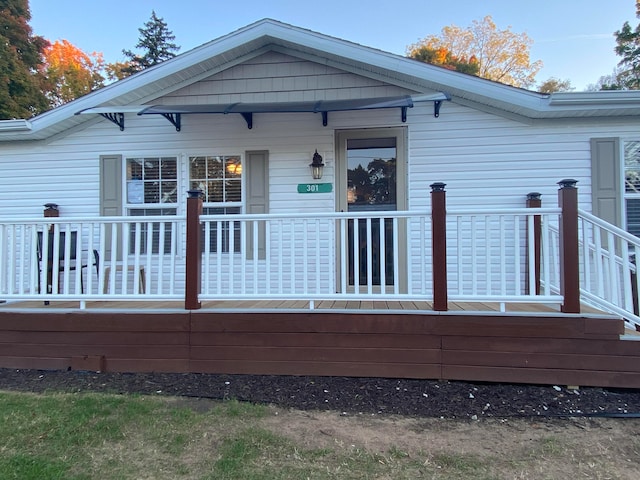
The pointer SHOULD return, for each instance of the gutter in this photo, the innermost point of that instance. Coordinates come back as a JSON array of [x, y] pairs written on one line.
[[19, 125]]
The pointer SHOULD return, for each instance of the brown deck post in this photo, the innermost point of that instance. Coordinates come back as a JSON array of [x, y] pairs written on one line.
[[439, 246], [193, 255], [569, 247], [534, 201]]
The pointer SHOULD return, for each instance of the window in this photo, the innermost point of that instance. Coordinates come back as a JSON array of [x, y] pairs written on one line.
[[220, 178], [632, 186], [152, 189]]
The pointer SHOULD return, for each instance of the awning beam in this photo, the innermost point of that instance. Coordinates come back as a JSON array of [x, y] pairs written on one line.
[[173, 113], [117, 118]]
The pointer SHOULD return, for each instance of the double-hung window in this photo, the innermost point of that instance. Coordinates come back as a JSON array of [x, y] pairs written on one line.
[[152, 189], [632, 186], [219, 177]]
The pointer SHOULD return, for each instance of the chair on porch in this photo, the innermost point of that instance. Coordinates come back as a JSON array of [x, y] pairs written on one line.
[[70, 263]]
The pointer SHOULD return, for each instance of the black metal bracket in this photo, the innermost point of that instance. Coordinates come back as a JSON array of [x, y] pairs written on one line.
[[249, 119], [117, 118], [404, 114], [436, 108], [325, 118], [175, 119]]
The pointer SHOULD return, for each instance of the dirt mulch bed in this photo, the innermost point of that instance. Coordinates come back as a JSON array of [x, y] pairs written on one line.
[[421, 398]]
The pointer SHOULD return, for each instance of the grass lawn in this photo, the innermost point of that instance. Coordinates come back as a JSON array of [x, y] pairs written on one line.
[[99, 436]]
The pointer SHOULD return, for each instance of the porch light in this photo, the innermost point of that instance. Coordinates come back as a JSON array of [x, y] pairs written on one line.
[[316, 166]]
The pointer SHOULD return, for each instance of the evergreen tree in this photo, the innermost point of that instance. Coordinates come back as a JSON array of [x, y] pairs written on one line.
[[20, 60], [628, 48], [156, 41]]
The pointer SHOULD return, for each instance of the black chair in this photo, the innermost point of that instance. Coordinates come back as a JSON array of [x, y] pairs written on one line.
[[69, 262]]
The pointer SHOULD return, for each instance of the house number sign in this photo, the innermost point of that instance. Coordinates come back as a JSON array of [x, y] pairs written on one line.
[[314, 187]]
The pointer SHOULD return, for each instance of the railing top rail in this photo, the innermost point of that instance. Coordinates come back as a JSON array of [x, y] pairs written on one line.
[[315, 215], [293, 215], [503, 211], [632, 239], [66, 220]]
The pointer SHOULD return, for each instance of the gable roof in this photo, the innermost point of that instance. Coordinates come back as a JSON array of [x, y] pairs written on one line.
[[271, 35]]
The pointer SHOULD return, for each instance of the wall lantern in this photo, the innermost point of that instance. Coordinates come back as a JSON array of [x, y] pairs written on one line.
[[316, 166]]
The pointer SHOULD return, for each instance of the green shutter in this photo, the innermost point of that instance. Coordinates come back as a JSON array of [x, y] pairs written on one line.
[[606, 180], [257, 196]]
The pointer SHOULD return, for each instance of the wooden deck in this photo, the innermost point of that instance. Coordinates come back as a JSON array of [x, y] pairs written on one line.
[[249, 305], [472, 342]]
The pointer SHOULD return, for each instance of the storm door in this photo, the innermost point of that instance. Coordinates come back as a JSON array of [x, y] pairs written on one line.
[[372, 171]]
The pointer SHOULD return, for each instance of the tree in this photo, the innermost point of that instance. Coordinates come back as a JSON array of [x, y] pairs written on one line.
[[70, 72], [555, 85], [607, 82], [117, 70], [443, 58], [628, 47], [502, 55], [20, 59], [156, 41]]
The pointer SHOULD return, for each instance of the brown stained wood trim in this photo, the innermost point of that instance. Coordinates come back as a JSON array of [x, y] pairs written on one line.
[[506, 326], [607, 326], [542, 376], [310, 354], [193, 257], [109, 351], [96, 337], [315, 322], [569, 250], [94, 363], [359, 340], [542, 345], [97, 321], [535, 202], [35, 363], [147, 365], [550, 361], [439, 248], [317, 368]]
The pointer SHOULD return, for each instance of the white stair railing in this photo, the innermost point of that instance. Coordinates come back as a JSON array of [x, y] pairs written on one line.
[[608, 273]]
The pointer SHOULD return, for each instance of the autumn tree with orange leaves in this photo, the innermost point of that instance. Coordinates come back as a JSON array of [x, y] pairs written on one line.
[[70, 72], [502, 55], [444, 58]]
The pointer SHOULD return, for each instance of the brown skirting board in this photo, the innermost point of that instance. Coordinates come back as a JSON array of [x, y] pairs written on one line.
[[494, 347]]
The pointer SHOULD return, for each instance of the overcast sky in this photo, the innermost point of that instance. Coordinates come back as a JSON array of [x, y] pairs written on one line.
[[573, 38]]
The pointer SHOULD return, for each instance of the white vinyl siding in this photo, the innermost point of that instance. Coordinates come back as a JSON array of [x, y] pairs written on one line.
[[485, 159]]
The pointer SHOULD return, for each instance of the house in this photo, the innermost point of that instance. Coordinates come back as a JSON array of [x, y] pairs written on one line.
[[280, 163]]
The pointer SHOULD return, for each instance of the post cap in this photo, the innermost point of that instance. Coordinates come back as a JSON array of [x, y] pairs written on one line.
[[438, 187], [195, 193], [534, 196], [568, 183]]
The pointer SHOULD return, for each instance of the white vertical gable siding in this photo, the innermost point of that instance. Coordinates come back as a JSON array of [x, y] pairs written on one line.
[[275, 77]]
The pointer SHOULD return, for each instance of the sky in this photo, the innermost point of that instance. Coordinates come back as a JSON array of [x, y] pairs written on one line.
[[573, 38]]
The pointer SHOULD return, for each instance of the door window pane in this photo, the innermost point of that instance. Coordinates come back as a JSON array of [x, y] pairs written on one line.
[[371, 174]]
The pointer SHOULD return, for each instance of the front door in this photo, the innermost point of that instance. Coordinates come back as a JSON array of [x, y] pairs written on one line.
[[371, 173]]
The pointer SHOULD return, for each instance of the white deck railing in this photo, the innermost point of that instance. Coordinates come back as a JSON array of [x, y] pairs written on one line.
[[324, 256], [491, 255], [105, 258]]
